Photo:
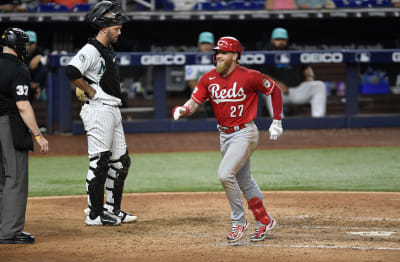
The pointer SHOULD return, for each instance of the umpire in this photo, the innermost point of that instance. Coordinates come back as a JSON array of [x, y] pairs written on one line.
[[17, 125]]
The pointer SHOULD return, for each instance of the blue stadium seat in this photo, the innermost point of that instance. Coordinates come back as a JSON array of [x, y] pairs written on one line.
[[348, 3], [81, 8], [213, 6], [167, 5], [362, 3], [245, 5], [51, 7], [377, 3]]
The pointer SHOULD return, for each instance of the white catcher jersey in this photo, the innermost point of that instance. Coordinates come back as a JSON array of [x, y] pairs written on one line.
[[92, 65]]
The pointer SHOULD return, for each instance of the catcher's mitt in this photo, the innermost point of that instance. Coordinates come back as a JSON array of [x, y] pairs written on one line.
[[80, 95]]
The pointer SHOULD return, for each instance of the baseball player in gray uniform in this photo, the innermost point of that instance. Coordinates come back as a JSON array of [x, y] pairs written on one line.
[[233, 92], [95, 72]]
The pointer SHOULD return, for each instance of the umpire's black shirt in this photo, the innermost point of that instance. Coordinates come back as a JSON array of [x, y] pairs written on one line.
[[14, 83]]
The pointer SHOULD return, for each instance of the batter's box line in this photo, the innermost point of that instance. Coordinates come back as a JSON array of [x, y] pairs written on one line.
[[361, 218], [249, 244]]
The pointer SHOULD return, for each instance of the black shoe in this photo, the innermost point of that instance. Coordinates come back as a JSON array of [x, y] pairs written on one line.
[[21, 238]]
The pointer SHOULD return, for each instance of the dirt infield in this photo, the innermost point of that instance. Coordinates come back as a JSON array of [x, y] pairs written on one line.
[[193, 226], [312, 226]]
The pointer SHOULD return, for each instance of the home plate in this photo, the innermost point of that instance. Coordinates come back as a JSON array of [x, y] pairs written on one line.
[[372, 233]]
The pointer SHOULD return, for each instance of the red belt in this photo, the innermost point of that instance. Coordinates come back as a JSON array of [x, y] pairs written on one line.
[[230, 130]]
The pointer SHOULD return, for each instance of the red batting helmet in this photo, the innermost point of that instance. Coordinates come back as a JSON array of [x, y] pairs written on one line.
[[229, 44]]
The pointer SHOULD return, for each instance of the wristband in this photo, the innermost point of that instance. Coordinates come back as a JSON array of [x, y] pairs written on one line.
[[187, 109], [37, 136]]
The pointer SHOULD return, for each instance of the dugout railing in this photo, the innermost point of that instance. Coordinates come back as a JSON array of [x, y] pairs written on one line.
[[59, 95]]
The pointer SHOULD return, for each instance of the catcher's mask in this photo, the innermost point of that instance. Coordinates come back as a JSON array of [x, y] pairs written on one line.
[[16, 39], [97, 19]]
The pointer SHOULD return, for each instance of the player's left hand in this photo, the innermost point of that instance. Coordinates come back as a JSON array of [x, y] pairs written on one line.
[[275, 130]]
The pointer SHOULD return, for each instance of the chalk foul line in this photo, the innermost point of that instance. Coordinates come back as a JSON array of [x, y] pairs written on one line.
[[307, 246]]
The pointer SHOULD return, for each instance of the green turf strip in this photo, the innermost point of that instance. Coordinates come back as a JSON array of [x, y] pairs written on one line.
[[348, 169]]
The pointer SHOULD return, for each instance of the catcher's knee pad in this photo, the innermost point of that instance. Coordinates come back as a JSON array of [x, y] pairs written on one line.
[[99, 165], [259, 212], [117, 175], [121, 166]]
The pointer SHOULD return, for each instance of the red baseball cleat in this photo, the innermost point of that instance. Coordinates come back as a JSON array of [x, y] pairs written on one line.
[[237, 232], [261, 232]]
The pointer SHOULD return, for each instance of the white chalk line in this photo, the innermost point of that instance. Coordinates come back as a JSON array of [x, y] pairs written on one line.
[[306, 246], [342, 218]]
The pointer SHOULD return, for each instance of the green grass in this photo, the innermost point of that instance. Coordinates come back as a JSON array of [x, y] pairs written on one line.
[[348, 169]]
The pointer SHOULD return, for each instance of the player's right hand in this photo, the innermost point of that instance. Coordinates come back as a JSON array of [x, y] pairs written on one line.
[[91, 93], [179, 111], [275, 130]]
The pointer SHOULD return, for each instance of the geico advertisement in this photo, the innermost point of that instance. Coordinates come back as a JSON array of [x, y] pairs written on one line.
[[171, 59], [334, 57], [396, 57]]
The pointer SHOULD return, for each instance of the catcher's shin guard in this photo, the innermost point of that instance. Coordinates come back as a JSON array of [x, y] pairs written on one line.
[[115, 181], [98, 169], [259, 212]]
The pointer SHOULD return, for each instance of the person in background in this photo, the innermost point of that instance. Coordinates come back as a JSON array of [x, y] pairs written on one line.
[[13, 5], [69, 3], [37, 66], [296, 81], [280, 4], [193, 73], [396, 3], [315, 4]]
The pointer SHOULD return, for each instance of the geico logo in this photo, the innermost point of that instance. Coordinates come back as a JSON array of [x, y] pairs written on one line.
[[396, 57], [163, 59], [321, 58], [257, 59], [64, 60]]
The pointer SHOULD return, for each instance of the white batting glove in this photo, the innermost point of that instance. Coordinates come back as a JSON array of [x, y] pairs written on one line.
[[180, 111], [275, 130]]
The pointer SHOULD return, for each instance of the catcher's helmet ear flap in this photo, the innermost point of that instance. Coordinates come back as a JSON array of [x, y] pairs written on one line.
[[228, 44], [97, 19], [16, 39]]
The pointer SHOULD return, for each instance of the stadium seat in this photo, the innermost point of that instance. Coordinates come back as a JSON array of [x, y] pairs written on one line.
[[348, 3], [377, 3], [81, 8], [245, 5], [362, 3], [167, 5], [51, 7], [159, 5], [213, 6]]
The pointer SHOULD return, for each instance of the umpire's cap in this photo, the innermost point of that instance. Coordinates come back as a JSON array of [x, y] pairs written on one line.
[[16, 39], [97, 19]]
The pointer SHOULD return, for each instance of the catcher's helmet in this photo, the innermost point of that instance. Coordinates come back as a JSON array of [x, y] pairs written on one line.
[[97, 19], [16, 39]]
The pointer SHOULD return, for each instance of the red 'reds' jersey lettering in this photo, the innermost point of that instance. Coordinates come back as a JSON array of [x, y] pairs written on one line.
[[234, 98]]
